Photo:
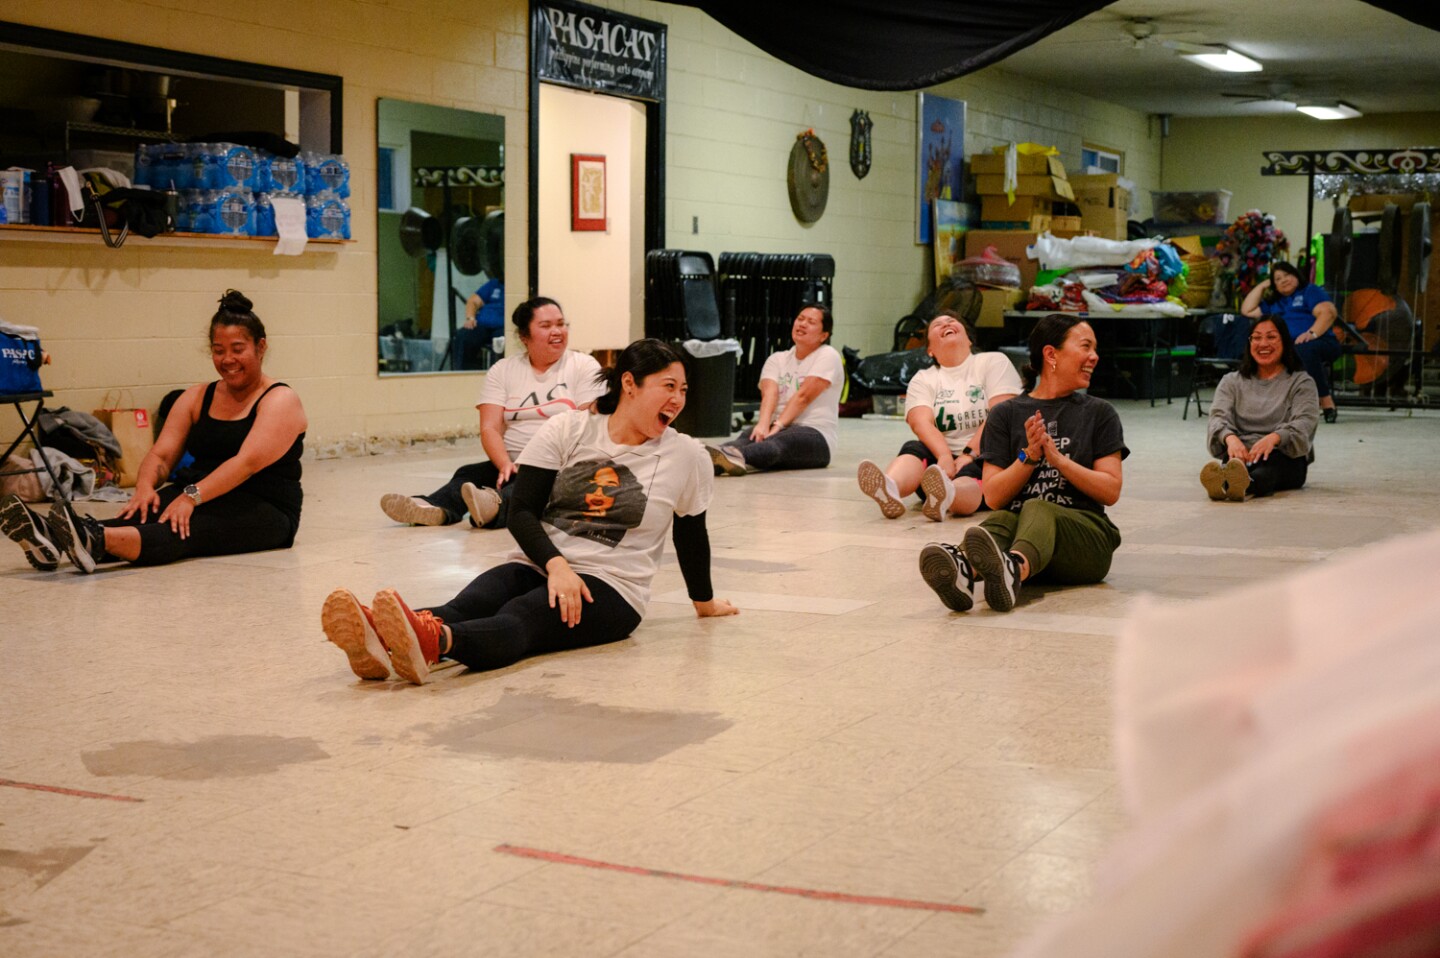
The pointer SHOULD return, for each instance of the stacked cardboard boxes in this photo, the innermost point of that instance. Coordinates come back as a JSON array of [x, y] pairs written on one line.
[[1104, 204], [1041, 186]]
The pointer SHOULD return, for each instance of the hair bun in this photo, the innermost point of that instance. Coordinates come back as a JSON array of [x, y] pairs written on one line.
[[235, 301]]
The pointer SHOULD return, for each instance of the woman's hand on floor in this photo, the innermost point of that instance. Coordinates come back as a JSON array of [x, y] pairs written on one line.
[[715, 607]]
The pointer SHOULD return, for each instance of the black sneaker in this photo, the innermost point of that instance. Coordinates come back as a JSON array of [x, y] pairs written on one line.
[[70, 532], [946, 570], [999, 569], [23, 525]]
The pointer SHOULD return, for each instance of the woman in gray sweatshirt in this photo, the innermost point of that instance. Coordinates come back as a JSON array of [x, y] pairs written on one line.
[[1262, 420]]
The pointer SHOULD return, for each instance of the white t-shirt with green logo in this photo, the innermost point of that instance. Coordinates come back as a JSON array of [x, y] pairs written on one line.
[[789, 373], [958, 397]]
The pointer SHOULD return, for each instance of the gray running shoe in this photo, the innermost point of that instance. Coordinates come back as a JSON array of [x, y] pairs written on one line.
[[939, 494], [728, 460], [880, 487]]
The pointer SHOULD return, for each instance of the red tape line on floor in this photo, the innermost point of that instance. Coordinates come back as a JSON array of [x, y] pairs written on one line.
[[559, 858], [58, 790]]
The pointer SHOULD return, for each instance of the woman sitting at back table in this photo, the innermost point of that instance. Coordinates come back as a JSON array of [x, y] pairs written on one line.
[[945, 406], [519, 394], [594, 499], [799, 419], [1052, 465], [1262, 420], [246, 433], [1310, 317]]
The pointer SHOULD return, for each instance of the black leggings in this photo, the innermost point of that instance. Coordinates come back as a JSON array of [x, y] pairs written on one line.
[[794, 447], [1276, 474], [483, 474], [236, 522], [505, 616]]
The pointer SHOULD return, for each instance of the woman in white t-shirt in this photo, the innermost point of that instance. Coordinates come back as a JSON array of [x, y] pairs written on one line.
[[799, 418], [945, 406], [520, 393], [594, 499]]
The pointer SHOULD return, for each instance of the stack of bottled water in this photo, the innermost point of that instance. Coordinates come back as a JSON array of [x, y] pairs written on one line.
[[227, 189]]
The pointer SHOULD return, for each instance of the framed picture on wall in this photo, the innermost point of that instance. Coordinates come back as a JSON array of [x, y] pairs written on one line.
[[587, 192], [940, 156], [949, 238]]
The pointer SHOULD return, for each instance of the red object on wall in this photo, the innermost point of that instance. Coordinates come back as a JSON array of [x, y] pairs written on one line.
[[587, 192]]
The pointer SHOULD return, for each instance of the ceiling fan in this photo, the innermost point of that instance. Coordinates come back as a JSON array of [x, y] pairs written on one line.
[[1143, 32], [1272, 91]]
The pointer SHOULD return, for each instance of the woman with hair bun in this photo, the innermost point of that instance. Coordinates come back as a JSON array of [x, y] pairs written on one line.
[[1052, 465], [594, 498], [240, 493]]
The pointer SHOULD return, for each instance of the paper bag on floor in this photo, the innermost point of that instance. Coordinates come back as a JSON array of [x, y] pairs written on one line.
[[131, 426]]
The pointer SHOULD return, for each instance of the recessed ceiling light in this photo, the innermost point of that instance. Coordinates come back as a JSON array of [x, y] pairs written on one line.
[[1336, 111], [1225, 60]]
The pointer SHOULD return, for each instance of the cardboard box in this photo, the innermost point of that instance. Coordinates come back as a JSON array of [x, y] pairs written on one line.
[[1066, 224], [994, 303], [1374, 203], [1011, 245], [1038, 223], [1100, 190], [1051, 187], [987, 163], [1107, 221], [1024, 207]]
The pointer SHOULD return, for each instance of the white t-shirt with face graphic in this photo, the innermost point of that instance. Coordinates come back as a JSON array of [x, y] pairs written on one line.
[[612, 505], [530, 398], [823, 414], [958, 397]]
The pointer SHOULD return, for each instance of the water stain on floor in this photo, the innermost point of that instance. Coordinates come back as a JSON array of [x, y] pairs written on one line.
[[44, 866], [535, 725], [215, 756]]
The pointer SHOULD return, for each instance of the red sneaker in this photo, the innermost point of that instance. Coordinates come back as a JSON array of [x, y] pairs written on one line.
[[413, 638], [350, 625]]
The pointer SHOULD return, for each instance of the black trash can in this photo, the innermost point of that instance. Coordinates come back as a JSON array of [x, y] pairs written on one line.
[[711, 397]]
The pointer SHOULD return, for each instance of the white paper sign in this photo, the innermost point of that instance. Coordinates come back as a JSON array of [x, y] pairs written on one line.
[[290, 225]]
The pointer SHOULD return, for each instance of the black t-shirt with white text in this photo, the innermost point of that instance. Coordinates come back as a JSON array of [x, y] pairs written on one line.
[[1083, 427]]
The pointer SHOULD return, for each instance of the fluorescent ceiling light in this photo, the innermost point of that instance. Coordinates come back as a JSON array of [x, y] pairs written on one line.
[[1338, 111], [1225, 60]]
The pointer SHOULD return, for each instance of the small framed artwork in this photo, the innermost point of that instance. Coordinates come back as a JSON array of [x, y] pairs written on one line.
[[587, 192]]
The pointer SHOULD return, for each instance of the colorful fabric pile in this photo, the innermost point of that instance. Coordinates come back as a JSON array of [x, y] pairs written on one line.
[[1147, 279]]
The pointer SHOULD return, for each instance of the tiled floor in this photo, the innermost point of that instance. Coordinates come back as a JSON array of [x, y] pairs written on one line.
[[844, 734]]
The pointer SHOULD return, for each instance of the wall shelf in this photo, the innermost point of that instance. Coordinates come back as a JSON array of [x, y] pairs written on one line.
[[72, 235]]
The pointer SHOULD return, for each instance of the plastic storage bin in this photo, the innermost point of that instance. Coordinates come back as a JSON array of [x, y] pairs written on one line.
[[1197, 207]]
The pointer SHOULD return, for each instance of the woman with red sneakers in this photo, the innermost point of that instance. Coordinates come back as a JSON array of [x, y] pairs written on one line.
[[594, 498]]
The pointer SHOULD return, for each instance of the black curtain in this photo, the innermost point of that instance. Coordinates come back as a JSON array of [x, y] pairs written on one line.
[[909, 44]]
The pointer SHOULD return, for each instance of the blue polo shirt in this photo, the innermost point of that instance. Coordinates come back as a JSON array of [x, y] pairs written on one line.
[[1298, 309]]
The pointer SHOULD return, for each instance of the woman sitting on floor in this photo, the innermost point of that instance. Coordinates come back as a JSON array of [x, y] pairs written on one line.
[[799, 421], [519, 394], [594, 498], [1309, 314], [945, 406], [245, 433], [1052, 465], [1262, 419]]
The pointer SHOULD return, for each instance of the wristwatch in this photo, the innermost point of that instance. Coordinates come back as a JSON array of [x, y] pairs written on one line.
[[1023, 458], [193, 491], [967, 451]]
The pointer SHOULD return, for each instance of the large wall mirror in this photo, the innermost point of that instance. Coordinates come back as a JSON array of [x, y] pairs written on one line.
[[441, 211]]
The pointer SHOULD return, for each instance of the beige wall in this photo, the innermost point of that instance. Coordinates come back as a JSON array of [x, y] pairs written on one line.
[[1228, 153], [136, 317], [597, 276]]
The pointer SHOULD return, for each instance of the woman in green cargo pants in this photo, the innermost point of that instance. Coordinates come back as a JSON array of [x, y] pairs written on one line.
[[1052, 465]]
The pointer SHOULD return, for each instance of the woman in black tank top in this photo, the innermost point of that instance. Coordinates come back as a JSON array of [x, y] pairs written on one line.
[[239, 487]]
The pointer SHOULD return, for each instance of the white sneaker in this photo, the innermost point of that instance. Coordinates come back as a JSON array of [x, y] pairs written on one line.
[[411, 510], [939, 493], [880, 487], [728, 460], [482, 502]]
